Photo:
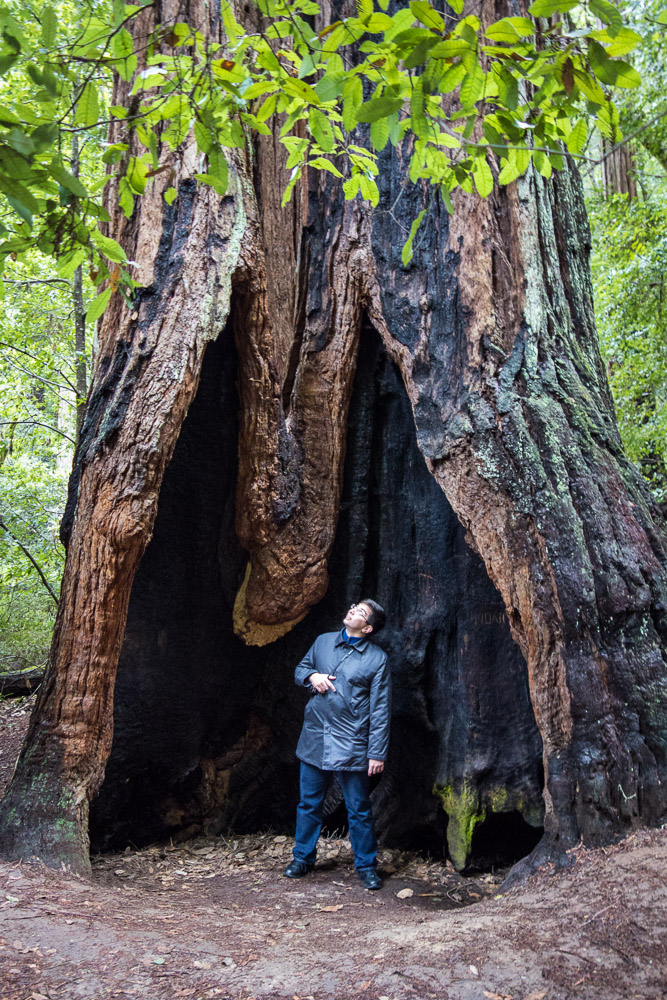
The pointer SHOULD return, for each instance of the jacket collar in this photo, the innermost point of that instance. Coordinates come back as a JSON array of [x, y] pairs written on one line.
[[359, 646]]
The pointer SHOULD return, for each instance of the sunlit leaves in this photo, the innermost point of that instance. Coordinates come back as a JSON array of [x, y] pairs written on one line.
[[87, 106], [577, 138], [49, 26], [510, 29], [406, 253], [370, 78], [98, 305]]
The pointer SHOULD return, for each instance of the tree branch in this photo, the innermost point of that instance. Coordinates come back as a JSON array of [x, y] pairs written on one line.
[[32, 559], [38, 423]]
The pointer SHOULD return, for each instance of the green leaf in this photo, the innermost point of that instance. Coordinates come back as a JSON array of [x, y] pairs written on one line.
[[98, 305], [14, 189], [7, 60], [576, 140], [287, 194], [482, 176], [212, 181], [125, 197], [301, 89], [522, 159], [21, 142], [203, 136], [471, 88], [379, 133], [624, 41], [8, 117], [420, 52], [49, 27], [369, 190], [450, 80], [449, 141], [510, 172], [351, 187], [321, 130], [12, 31], [122, 47], [545, 8], [451, 47], [379, 107], [424, 12], [607, 12], [73, 184], [67, 264], [87, 106], [508, 87], [352, 101], [330, 86], [364, 8], [217, 167], [267, 108], [510, 29], [542, 162], [307, 66], [136, 172], [626, 75], [589, 86], [406, 252], [321, 163], [170, 195], [108, 247], [45, 135]]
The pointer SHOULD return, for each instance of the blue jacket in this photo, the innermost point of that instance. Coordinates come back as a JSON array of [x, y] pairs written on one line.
[[345, 728]]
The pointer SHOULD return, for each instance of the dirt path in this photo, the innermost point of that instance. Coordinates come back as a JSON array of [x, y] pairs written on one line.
[[215, 919], [199, 926]]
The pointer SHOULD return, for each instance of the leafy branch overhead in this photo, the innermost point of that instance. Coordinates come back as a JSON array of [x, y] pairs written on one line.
[[481, 101]]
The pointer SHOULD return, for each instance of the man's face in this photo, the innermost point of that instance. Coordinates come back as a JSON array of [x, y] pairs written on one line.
[[358, 618]]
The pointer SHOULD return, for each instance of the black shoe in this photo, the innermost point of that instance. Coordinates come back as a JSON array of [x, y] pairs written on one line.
[[370, 879], [297, 869]]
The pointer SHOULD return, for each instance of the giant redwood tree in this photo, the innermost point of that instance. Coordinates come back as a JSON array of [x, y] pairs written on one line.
[[289, 417]]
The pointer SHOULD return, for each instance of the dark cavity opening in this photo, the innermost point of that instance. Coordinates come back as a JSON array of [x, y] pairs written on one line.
[[503, 839], [206, 728]]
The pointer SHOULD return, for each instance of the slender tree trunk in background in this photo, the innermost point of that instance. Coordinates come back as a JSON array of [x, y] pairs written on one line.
[[619, 170], [79, 316], [80, 348], [491, 327]]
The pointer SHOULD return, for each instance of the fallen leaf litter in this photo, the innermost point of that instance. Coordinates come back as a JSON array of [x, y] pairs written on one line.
[[182, 866]]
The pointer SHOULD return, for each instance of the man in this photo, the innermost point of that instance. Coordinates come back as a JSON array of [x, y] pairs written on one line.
[[345, 730]]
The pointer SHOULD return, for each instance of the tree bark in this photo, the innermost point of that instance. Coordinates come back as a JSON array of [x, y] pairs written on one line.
[[619, 170], [491, 329]]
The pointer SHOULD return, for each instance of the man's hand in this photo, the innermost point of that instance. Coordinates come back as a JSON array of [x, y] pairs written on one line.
[[322, 682], [375, 767]]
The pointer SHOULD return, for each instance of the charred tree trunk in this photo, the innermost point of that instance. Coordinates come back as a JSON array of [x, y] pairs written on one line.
[[491, 330]]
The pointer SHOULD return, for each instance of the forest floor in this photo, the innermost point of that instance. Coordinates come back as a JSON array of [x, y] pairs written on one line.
[[213, 918]]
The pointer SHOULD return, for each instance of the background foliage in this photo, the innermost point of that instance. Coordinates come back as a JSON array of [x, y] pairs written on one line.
[[630, 261]]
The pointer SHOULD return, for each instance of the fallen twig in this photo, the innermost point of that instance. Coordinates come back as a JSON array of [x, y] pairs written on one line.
[[595, 915]]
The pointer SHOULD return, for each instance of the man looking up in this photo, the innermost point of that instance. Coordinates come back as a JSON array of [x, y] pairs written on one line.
[[346, 730]]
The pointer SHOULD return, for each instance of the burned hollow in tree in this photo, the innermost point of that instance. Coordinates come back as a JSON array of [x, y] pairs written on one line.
[[206, 727]]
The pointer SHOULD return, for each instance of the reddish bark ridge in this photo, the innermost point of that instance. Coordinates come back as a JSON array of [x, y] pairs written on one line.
[[491, 327]]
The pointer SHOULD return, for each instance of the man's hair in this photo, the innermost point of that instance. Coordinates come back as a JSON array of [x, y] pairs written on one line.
[[377, 617]]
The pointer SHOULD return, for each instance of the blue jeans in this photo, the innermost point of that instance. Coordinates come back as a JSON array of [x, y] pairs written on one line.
[[354, 784]]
